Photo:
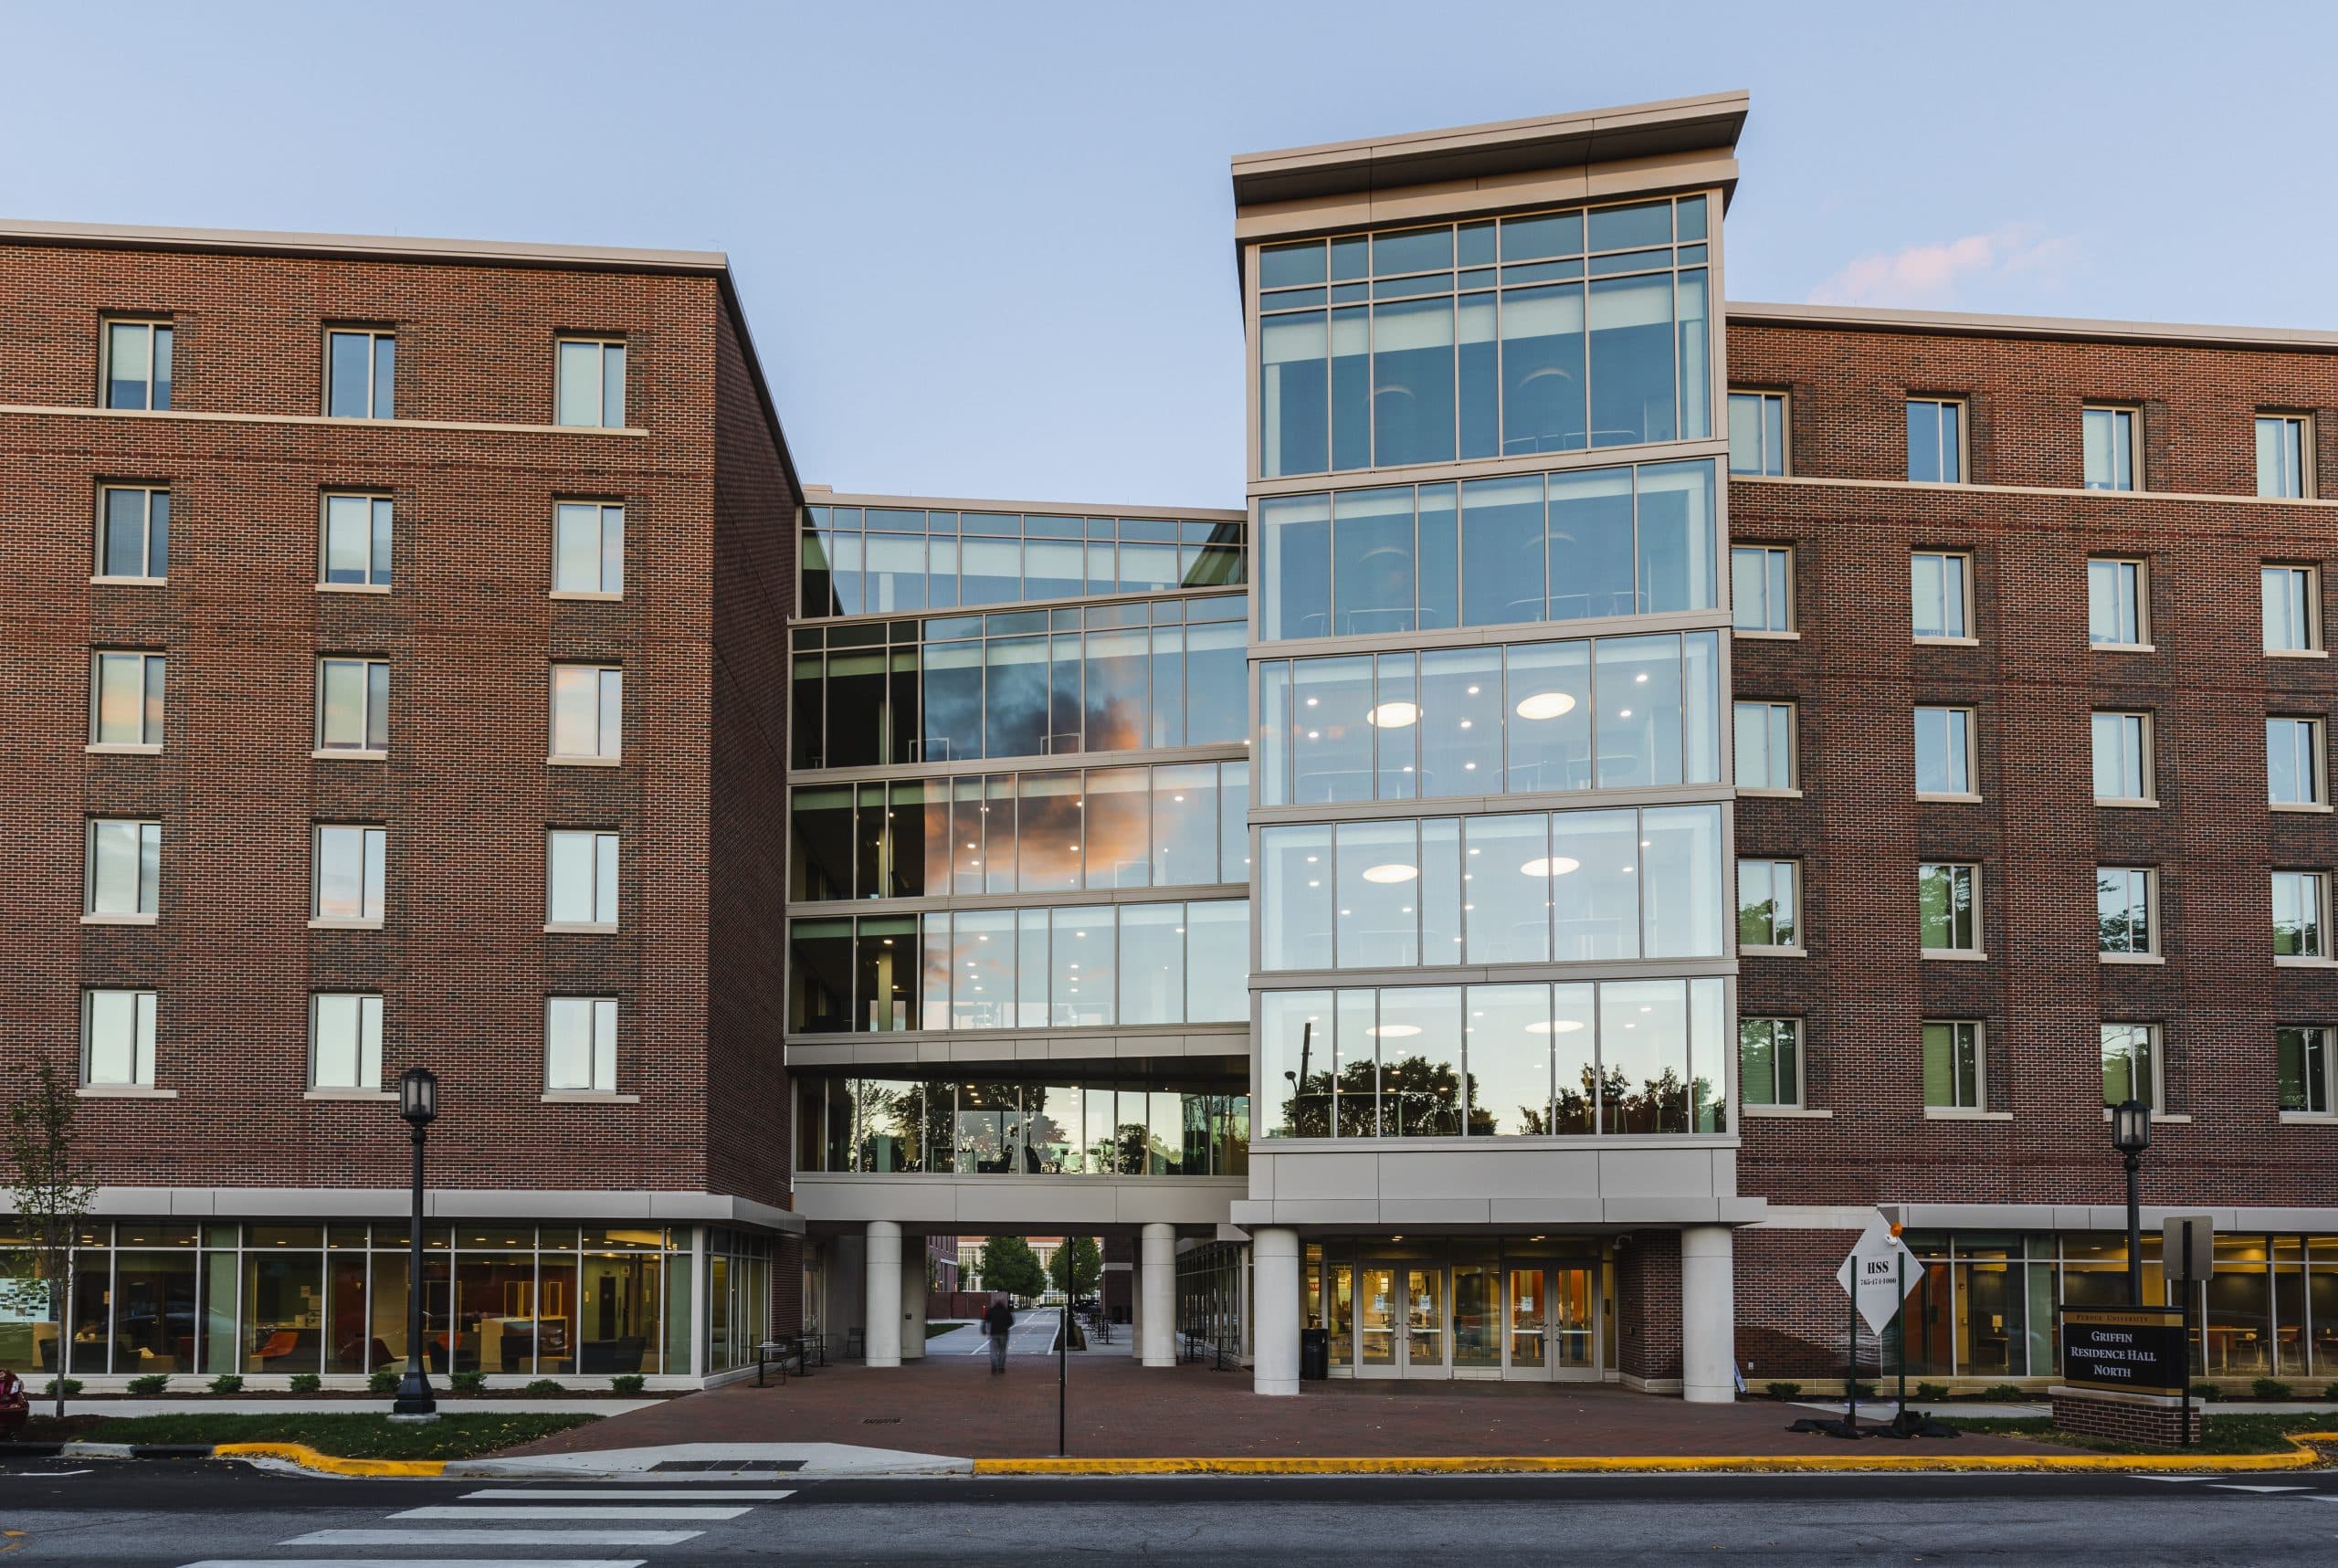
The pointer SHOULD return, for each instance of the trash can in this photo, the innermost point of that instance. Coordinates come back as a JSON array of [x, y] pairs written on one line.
[[1314, 1354]]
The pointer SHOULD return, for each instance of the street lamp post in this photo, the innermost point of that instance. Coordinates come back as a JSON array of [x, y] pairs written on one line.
[[419, 1104], [2130, 1134]]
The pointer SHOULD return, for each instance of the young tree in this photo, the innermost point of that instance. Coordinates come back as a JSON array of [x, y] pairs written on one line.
[[1009, 1264], [50, 1188], [1076, 1265]]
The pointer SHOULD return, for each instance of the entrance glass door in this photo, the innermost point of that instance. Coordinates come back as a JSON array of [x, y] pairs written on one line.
[[1574, 1337], [1375, 1321], [1476, 1318], [1529, 1302], [1424, 1321]]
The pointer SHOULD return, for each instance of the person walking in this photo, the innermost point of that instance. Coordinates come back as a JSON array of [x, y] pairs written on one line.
[[998, 1322]]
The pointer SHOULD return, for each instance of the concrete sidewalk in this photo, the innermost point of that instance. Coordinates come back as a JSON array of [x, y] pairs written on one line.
[[448, 1404], [1118, 1409]]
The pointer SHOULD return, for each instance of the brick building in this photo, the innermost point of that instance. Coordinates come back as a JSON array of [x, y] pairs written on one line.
[[393, 675]]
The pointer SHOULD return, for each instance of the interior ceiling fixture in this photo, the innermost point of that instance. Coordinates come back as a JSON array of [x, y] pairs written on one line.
[[1549, 866], [1391, 873], [1545, 705], [1393, 715]]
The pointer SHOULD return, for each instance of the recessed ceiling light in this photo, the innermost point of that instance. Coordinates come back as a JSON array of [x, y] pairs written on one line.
[[1393, 715], [1554, 1027], [1391, 873], [1550, 866], [1545, 705], [1394, 1031]]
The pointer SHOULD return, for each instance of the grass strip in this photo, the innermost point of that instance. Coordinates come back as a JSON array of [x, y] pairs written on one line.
[[2218, 1434], [458, 1435]]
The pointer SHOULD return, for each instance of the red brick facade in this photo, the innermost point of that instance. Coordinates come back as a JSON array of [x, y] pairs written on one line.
[[474, 464]]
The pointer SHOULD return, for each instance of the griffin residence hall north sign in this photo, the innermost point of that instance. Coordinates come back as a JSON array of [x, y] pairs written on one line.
[[2125, 1350]]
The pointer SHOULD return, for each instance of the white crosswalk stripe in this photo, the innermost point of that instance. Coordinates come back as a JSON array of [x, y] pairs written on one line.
[[2233, 1487], [494, 1538], [418, 1563], [631, 1493], [579, 1510]]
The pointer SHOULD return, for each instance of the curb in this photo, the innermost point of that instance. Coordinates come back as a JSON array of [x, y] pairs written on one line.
[[2300, 1458], [309, 1459]]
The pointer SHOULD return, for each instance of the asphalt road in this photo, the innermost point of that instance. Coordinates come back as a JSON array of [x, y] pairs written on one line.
[[165, 1514]]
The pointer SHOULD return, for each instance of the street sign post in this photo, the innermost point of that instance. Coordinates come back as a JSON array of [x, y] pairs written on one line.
[[1875, 1278], [2187, 1252]]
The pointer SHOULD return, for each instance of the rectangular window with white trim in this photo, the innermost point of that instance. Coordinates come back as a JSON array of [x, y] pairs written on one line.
[[1953, 1065], [1757, 433], [2117, 603], [124, 870], [2293, 608], [2299, 899], [1760, 587], [134, 533], [2303, 1062], [2131, 1057], [354, 551], [588, 548], [1935, 441], [353, 705], [2122, 758], [581, 880], [1940, 595], [581, 1044], [2294, 772], [344, 1041], [126, 700], [1766, 746], [1769, 1061], [2126, 909], [591, 383], [118, 1039], [587, 712], [137, 370], [1769, 906], [2284, 456], [2113, 459], [1948, 904], [1944, 751], [350, 873]]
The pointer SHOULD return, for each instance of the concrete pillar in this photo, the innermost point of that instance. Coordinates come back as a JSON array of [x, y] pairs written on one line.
[[1274, 1317], [914, 1299], [1136, 1306], [1158, 1290], [881, 1331], [1708, 1315]]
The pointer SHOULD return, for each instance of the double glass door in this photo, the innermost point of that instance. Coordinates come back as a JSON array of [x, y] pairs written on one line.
[[1400, 1325], [1528, 1320], [1553, 1320]]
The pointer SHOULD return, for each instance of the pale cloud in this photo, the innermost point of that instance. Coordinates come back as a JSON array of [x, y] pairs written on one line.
[[1936, 273]]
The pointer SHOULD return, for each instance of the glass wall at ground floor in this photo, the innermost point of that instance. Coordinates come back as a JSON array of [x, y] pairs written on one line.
[[1524, 1307]]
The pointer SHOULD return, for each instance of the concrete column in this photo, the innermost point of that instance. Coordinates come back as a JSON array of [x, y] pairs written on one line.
[[914, 1299], [1708, 1315], [1136, 1306], [881, 1331], [1274, 1317], [1158, 1290]]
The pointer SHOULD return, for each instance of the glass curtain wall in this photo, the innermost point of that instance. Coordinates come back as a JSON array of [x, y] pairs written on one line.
[[884, 560], [1161, 1125]]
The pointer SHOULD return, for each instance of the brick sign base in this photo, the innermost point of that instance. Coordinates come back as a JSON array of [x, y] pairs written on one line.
[[2127, 1420]]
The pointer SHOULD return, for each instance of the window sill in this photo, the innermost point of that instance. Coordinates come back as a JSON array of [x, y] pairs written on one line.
[[1946, 642], [1770, 794], [2131, 957], [1781, 1113], [2305, 807], [2287, 960], [1764, 637], [2124, 647], [101, 919], [1774, 952], [122, 749], [2178, 1117], [353, 587], [576, 926], [559, 761], [347, 754], [1952, 955], [340, 923], [585, 595], [1950, 799], [2125, 804], [2269, 652], [587, 1097], [124, 1091], [1955, 1113], [131, 582], [2309, 1118], [367, 1096]]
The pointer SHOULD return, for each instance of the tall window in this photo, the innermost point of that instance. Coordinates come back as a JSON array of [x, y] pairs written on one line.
[[349, 878], [581, 878], [2110, 442], [134, 533], [353, 705], [1766, 746], [2292, 600], [592, 383], [2116, 612], [2299, 899], [356, 541], [2126, 908], [344, 1041], [2303, 1063], [1940, 594], [1953, 1065], [137, 373], [1944, 751], [118, 1039], [1769, 904], [1760, 587], [2284, 456], [1757, 432], [1935, 440], [587, 547], [2293, 768], [1948, 905], [1769, 1061], [360, 373], [2122, 757], [123, 869], [2131, 1064], [581, 1044], [126, 700], [587, 710]]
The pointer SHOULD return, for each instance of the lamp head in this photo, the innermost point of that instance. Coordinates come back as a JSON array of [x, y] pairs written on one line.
[[2131, 1127], [418, 1096]]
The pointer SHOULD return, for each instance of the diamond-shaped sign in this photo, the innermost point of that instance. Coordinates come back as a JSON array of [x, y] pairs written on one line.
[[1872, 1277]]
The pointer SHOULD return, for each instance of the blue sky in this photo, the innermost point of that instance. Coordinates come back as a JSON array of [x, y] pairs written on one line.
[[985, 248]]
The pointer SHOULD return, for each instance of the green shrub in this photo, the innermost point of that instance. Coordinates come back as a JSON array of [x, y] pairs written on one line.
[[227, 1383], [630, 1384], [2330, 1392], [306, 1382], [384, 1381], [1777, 1389], [1931, 1392], [468, 1381], [72, 1387], [2003, 1393], [2206, 1391], [150, 1384], [1864, 1390], [545, 1386], [2270, 1388]]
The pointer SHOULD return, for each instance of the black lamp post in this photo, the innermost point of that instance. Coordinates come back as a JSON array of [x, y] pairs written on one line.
[[2130, 1134], [419, 1104]]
